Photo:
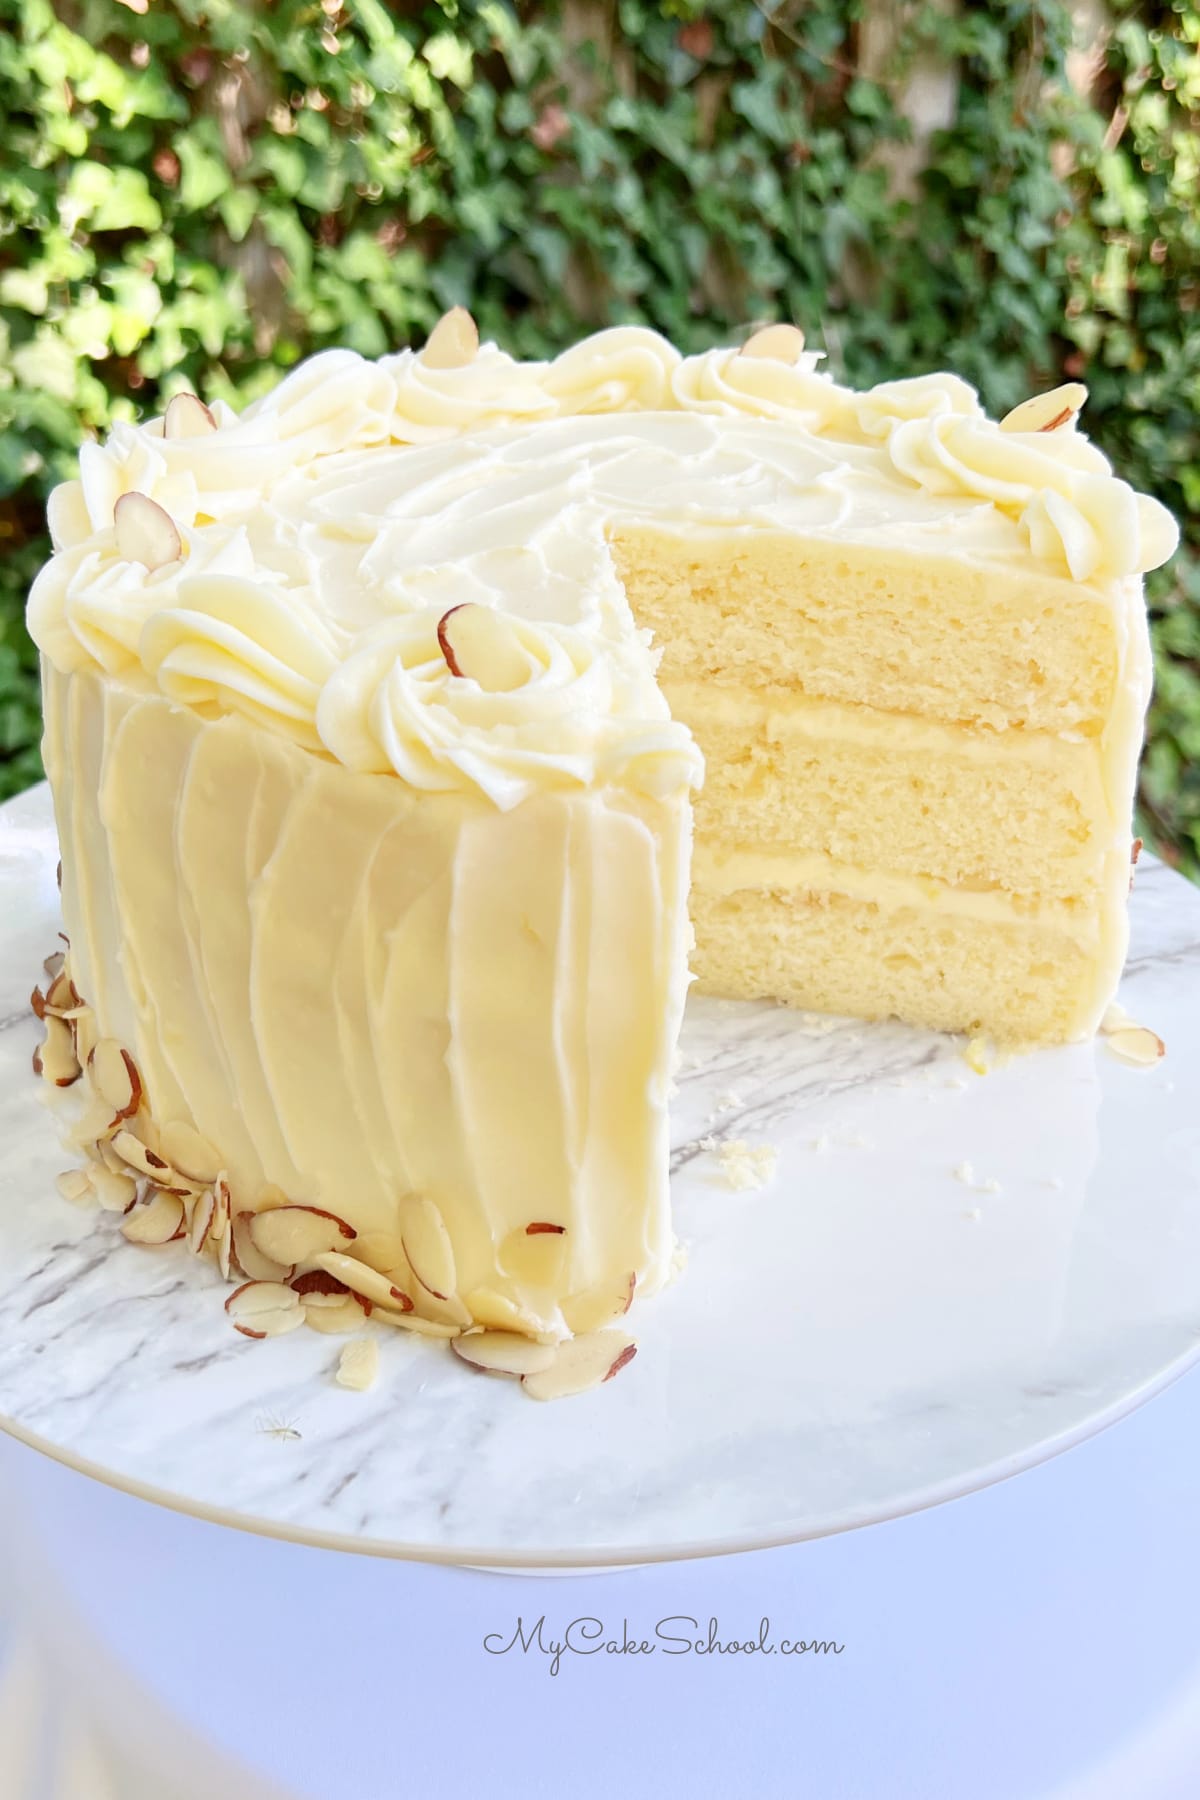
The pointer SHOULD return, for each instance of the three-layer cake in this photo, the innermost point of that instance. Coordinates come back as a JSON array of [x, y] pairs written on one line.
[[373, 717]]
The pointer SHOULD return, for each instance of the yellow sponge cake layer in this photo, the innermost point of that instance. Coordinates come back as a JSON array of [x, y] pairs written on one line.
[[940, 636], [919, 776], [1022, 982], [870, 788]]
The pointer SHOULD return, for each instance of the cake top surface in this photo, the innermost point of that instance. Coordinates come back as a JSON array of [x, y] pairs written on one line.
[[296, 563]]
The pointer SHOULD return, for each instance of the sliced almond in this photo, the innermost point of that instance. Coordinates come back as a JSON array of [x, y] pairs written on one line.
[[586, 1313], [415, 1323], [1046, 412], [294, 1234], [159, 1221], [204, 1212], [94, 1133], [383, 1250], [56, 960], [779, 343], [334, 1314], [141, 1157], [145, 532], [534, 1255], [453, 342], [358, 1365], [1136, 1045], [104, 1153], [504, 1352], [427, 1246], [61, 996], [497, 1312], [185, 1150], [222, 1225], [59, 1063], [37, 1001], [115, 1192], [480, 644], [319, 1281], [262, 1309], [450, 1311], [187, 416], [75, 1185], [115, 1078], [84, 1036], [581, 1363], [367, 1282], [251, 1259]]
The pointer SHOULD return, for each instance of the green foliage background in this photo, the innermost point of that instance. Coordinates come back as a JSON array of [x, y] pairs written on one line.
[[197, 194]]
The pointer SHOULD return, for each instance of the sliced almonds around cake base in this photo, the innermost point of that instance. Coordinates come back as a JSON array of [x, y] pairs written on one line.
[[581, 1363], [250, 1258], [368, 1282], [427, 1246], [496, 1312], [157, 1220], [75, 1185], [55, 1058], [263, 1309], [168, 1185], [141, 1157], [189, 1153], [336, 1315], [1137, 1045], [115, 1190], [115, 1078], [294, 1234], [503, 1352], [413, 1322], [586, 1313]]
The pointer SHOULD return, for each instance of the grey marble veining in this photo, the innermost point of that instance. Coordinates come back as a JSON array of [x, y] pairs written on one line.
[[868, 1332]]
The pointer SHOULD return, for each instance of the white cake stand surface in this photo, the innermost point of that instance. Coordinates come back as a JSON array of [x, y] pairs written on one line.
[[948, 1278]]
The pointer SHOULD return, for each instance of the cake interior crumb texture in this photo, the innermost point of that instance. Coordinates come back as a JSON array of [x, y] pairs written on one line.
[[918, 778]]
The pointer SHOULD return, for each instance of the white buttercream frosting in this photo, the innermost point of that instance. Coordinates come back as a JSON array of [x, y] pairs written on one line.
[[585, 714], [326, 528]]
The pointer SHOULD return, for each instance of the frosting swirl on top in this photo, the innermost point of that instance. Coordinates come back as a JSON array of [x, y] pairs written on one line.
[[584, 713], [323, 531], [492, 389], [1057, 485], [728, 383]]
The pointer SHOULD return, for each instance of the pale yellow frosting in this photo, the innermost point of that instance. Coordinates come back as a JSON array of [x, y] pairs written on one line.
[[310, 522], [308, 536], [360, 992]]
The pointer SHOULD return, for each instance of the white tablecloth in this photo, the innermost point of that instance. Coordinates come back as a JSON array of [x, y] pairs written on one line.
[[1038, 1641]]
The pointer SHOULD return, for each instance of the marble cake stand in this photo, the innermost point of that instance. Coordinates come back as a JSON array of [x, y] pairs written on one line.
[[948, 1278]]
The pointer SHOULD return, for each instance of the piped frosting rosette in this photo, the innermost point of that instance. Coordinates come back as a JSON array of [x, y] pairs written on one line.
[[334, 401], [575, 712], [1055, 484], [209, 630], [731, 383]]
